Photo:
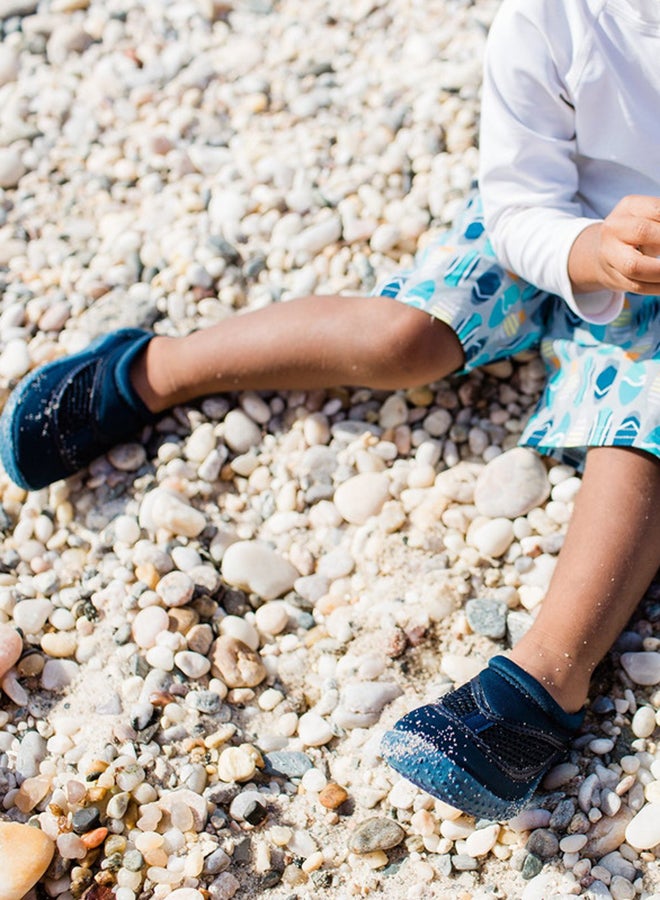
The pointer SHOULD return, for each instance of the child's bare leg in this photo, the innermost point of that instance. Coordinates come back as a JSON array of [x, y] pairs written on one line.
[[72, 410], [611, 553], [309, 343]]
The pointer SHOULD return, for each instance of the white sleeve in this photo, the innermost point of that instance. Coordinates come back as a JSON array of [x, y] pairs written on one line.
[[528, 175]]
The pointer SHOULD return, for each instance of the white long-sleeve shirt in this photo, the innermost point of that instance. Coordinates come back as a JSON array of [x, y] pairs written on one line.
[[570, 125]]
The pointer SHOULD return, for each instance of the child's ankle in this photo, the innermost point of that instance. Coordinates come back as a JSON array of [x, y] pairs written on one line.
[[149, 378], [557, 673]]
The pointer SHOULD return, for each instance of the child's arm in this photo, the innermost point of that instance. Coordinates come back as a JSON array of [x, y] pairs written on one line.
[[539, 224]]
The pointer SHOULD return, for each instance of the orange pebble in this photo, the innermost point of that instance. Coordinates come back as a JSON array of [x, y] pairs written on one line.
[[332, 796], [94, 838]]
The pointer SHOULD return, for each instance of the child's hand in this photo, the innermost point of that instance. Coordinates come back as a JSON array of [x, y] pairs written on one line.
[[620, 252]]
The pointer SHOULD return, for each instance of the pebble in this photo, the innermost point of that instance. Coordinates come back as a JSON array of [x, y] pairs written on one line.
[[511, 484], [291, 763], [644, 722], [642, 668], [26, 853], [487, 617], [175, 589], [362, 496], [314, 730], [162, 508], [240, 432], [11, 647], [237, 764], [643, 831], [377, 833], [148, 624], [332, 796], [272, 617], [492, 538], [482, 841], [237, 664], [254, 566], [12, 170], [31, 615]]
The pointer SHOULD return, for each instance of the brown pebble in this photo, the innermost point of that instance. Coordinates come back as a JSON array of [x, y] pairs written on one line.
[[183, 619], [333, 795], [160, 699], [148, 574], [94, 838], [237, 664]]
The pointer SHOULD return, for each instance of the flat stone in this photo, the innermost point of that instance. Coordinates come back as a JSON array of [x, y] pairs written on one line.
[[162, 508], [291, 763], [608, 834], [511, 484], [361, 703], [254, 566], [26, 853], [377, 833]]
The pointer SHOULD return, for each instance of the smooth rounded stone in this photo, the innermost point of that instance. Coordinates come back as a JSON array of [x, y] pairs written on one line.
[[492, 538], [163, 508], [118, 804], [376, 833], [643, 831], [243, 805], [31, 752], [621, 888], [58, 674], [315, 237], [511, 484], [608, 834], [272, 617], [361, 704], [11, 647], [560, 775], [643, 722], [572, 843], [543, 843], [600, 746], [291, 763], [200, 443], [529, 819], [314, 730], [193, 665], [216, 862], [237, 664], [254, 566], [59, 644], [362, 496], [26, 853], [482, 840], [393, 412], [185, 894], [85, 819], [148, 624], [642, 668], [175, 589], [239, 432], [15, 358], [12, 169], [487, 617], [31, 615], [127, 457]]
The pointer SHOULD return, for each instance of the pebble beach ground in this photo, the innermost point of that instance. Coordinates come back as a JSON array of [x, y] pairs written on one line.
[[203, 636]]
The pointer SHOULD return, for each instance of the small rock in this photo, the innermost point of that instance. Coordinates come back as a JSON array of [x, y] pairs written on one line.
[[162, 508], [377, 833], [291, 763], [492, 538], [608, 833], [240, 432], [487, 617], [26, 853], [237, 664], [12, 170], [314, 730], [332, 796], [643, 722], [642, 668], [193, 665], [148, 624], [511, 484], [223, 887], [362, 496], [254, 566], [11, 647], [543, 843], [643, 831], [175, 589], [237, 764]]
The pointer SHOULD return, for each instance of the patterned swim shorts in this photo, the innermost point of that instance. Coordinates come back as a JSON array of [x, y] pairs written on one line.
[[603, 386]]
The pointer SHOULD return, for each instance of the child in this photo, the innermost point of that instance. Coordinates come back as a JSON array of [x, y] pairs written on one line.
[[570, 188]]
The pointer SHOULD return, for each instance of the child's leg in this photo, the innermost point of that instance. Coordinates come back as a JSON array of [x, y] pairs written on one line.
[[485, 746], [610, 555], [309, 343], [67, 413]]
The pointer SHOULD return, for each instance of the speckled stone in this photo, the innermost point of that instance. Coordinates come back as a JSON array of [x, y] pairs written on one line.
[[377, 833]]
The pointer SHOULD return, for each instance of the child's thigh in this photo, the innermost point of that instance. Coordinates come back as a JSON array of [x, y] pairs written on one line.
[[458, 280]]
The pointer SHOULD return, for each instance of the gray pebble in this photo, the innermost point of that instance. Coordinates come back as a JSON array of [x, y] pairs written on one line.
[[487, 617], [291, 763], [461, 862], [31, 752], [543, 843], [216, 862], [531, 867], [85, 819], [133, 861], [562, 815], [376, 833]]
